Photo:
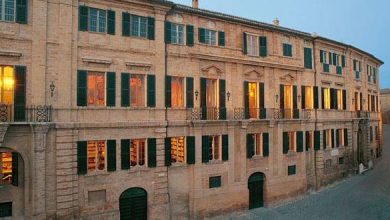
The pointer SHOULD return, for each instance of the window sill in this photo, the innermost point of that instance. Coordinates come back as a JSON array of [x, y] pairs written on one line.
[[8, 22], [95, 32], [138, 169], [258, 157], [136, 37], [213, 46], [214, 162]]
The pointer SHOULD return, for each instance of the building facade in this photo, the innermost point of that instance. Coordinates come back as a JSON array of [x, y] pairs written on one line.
[[149, 109], [385, 105]]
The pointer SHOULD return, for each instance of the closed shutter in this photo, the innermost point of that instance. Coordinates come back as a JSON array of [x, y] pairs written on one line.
[[330, 58], [203, 98], [250, 144], [345, 137], [307, 140], [125, 24], [168, 92], [225, 147], [324, 138], [83, 17], [81, 157], [303, 101], [281, 94], [317, 140], [21, 11], [332, 99], [263, 112], [338, 138], [167, 32], [110, 93], [299, 141], [222, 99], [190, 35], [151, 23], [20, 94], [246, 99], [111, 22], [111, 155], [334, 59], [190, 150], [344, 99], [81, 88], [265, 144], [167, 154], [205, 149], [151, 152], [343, 61], [244, 44], [15, 169], [285, 142], [221, 38], [295, 102], [315, 97], [263, 46], [151, 91], [321, 56], [202, 35], [125, 154], [308, 58], [125, 90], [190, 92], [333, 143]]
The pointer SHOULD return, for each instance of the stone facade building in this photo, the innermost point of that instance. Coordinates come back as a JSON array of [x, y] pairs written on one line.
[[385, 105], [150, 109]]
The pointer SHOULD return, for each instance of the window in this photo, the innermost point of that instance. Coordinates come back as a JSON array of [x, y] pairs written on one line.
[[137, 90], [287, 50], [7, 85], [357, 67], [328, 138], [96, 88], [7, 10], [369, 73], [308, 97], [177, 150], [253, 45], [177, 34], [215, 182], [97, 20], [291, 141], [339, 99], [292, 170], [96, 152], [258, 144], [214, 148], [5, 168], [341, 160], [138, 26], [177, 92], [137, 152], [340, 137], [253, 100], [326, 98], [309, 138], [5, 209]]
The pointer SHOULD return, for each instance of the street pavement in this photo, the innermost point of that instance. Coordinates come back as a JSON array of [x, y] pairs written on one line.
[[365, 197]]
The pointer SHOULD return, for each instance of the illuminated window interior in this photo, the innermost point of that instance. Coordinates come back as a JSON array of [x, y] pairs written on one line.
[[253, 99], [258, 144], [137, 152], [308, 97], [288, 101], [214, 148], [339, 99], [137, 90], [7, 84], [341, 137], [356, 101], [309, 140], [253, 45], [328, 138], [177, 150], [211, 98], [177, 92], [5, 168], [95, 89], [96, 155], [291, 139], [326, 98]]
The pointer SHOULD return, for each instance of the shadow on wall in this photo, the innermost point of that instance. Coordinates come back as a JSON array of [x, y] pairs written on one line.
[[386, 117]]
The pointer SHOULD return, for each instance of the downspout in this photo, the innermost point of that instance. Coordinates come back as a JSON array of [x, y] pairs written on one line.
[[315, 112]]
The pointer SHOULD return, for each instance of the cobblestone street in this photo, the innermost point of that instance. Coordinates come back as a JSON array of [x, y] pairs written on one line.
[[360, 197]]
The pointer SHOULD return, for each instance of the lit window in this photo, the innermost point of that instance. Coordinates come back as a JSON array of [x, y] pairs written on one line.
[[177, 150], [96, 155], [340, 137], [258, 144], [5, 168], [339, 99], [288, 101], [328, 138], [7, 10], [177, 92], [137, 152], [138, 26], [214, 148], [253, 100], [253, 45], [326, 98], [95, 89], [211, 37], [211, 99], [97, 20], [177, 33], [137, 90], [7, 84], [291, 140], [308, 97]]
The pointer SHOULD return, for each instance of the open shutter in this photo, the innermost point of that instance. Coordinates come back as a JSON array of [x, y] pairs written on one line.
[[307, 140], [244, 44], [81, 157], [81, 88], [21, 11], [202, 35], [168, 92], [222, 99], [299, 141], [303, 101], [125, 154], [125, 24], [15, 168], [190, 92], [190, 35], [205, 149], [221, 38], [324, 139], [263, 112], [344, 99], [151, 152], [317, 140], [265, 144], [330, 58], [151, 91], [111, 22], [285, 142], [83, 17], [190, 150], [167, 32], [315, 97], [203, 98], [281, 96], [167, 154], [345, 137], [295, 97], [333, 143], [110, 87], [263, 46], [111, 155], [246, 99], [20, 94], [225, 147], [125, 90], [151, 31], [250, 144]]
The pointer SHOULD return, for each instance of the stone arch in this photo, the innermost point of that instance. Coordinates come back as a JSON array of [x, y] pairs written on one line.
[[256, 190], [133, 204]]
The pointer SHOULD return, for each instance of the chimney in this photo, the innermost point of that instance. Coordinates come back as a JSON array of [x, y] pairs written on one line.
[[276, 22], [195, 4]]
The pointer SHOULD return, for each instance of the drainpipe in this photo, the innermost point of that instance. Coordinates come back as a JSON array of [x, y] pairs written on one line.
[[315, 112]]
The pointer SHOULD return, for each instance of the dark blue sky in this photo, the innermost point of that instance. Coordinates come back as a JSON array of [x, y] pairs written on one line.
[[362, 23]]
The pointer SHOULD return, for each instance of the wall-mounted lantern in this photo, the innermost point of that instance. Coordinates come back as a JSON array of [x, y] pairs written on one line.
[[52, 88]]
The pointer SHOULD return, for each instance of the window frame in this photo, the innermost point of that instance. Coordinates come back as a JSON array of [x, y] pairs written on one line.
[[137, 165], [326, 98], [184, 89], [139, 17], [96, 170], [292, 137], [98, 10], [258, 143], [3, 14], [90, 72], [175, 27], [212, 139], [145, 90], [309, 98], [254, 47], [1, 168], [177, 151], [208, 37]]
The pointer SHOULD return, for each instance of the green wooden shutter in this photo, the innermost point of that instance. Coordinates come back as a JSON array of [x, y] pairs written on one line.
[[333, 143], [308, 58], [244, 44], [225, 147], [125, 24], [265, 144], [83, 18], [21, 11], [190, 150], [250, 145], [324, 139], [81, 88], [263, 46], [110, 93], [323, 97], [125, 90], [205, 149], [295, 97], [221, 38], [151, 91], [15, 169], [190, 92], [315, 97], [343, 61], [307, 140], [81, 157], [345, 137], [281, 96], [20, 94], [168, 92], [263, 112], [332, 98], [190, 35], [111, 22], [125, 154], [222, 99], [321, 56], [317, 140], [246, 99], [337, 138], [303, 97], [330, 58], [167, 32], [202, 35], [203, 96], [151, 24], [111, 155], [344, 99], [285, 142], [299, 141], [334, 59], [167, 154], [152, 152]]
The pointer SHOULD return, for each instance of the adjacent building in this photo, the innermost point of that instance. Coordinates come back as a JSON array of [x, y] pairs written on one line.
[[149, 109]]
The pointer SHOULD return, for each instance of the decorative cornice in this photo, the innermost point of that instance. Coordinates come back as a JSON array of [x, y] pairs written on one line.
[[96, 61], [288, 78], [10, 53]]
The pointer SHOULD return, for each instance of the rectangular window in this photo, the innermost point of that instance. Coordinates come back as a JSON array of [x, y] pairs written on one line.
[[177, 92], [292, 170], [7, 10], [308, 97], [288, 101], [340, 137], [96, 88], [5, 168], [208, 37], [137, 152], [138, 26], [177, 150], [214, 148], [291, 141], [328, 138], [97, 20], [215, 182], [7, 85], [253, 45], [5, 209], [253, 100], [137, 90], [96, 152], [287, 50], [258, 144], [326, 98], [341, 160], [339, 99], [177, 34]]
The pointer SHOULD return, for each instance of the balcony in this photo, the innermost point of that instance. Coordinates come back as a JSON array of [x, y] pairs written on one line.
[[34, 113], [204, 113], [292, 113], [250, 113]]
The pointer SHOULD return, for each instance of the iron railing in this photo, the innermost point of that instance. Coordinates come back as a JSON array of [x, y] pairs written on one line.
[[20, 113], [250, 113], [204, 113]]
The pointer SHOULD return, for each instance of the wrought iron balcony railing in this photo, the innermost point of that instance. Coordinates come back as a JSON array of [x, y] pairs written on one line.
[[34, 113], [250, 113], [204, 113]]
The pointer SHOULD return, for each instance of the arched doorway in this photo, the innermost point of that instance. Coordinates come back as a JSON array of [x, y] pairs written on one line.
[[256, 190], [133, 204]]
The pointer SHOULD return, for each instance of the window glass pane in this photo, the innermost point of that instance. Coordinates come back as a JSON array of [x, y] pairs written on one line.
[[141, 152], [327, 98], [258, 145], [180, 33], [291, 136], [216, 147], [9, 10], [213, 38], [339, 99], [91, 154], [253, 48], [135, 25], [137, 152], [177, 150], [93, 19], [7, 85], [95, 89], [137, 90], [308, 97], [5, 168], [1, 10], [143, 26], [101, 155], [177, 92], [102, 21], [253, 99], [174, 39], [133, 152]]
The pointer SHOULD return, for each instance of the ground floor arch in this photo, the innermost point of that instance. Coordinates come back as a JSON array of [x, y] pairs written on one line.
[[133, 204], [256, 190]]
